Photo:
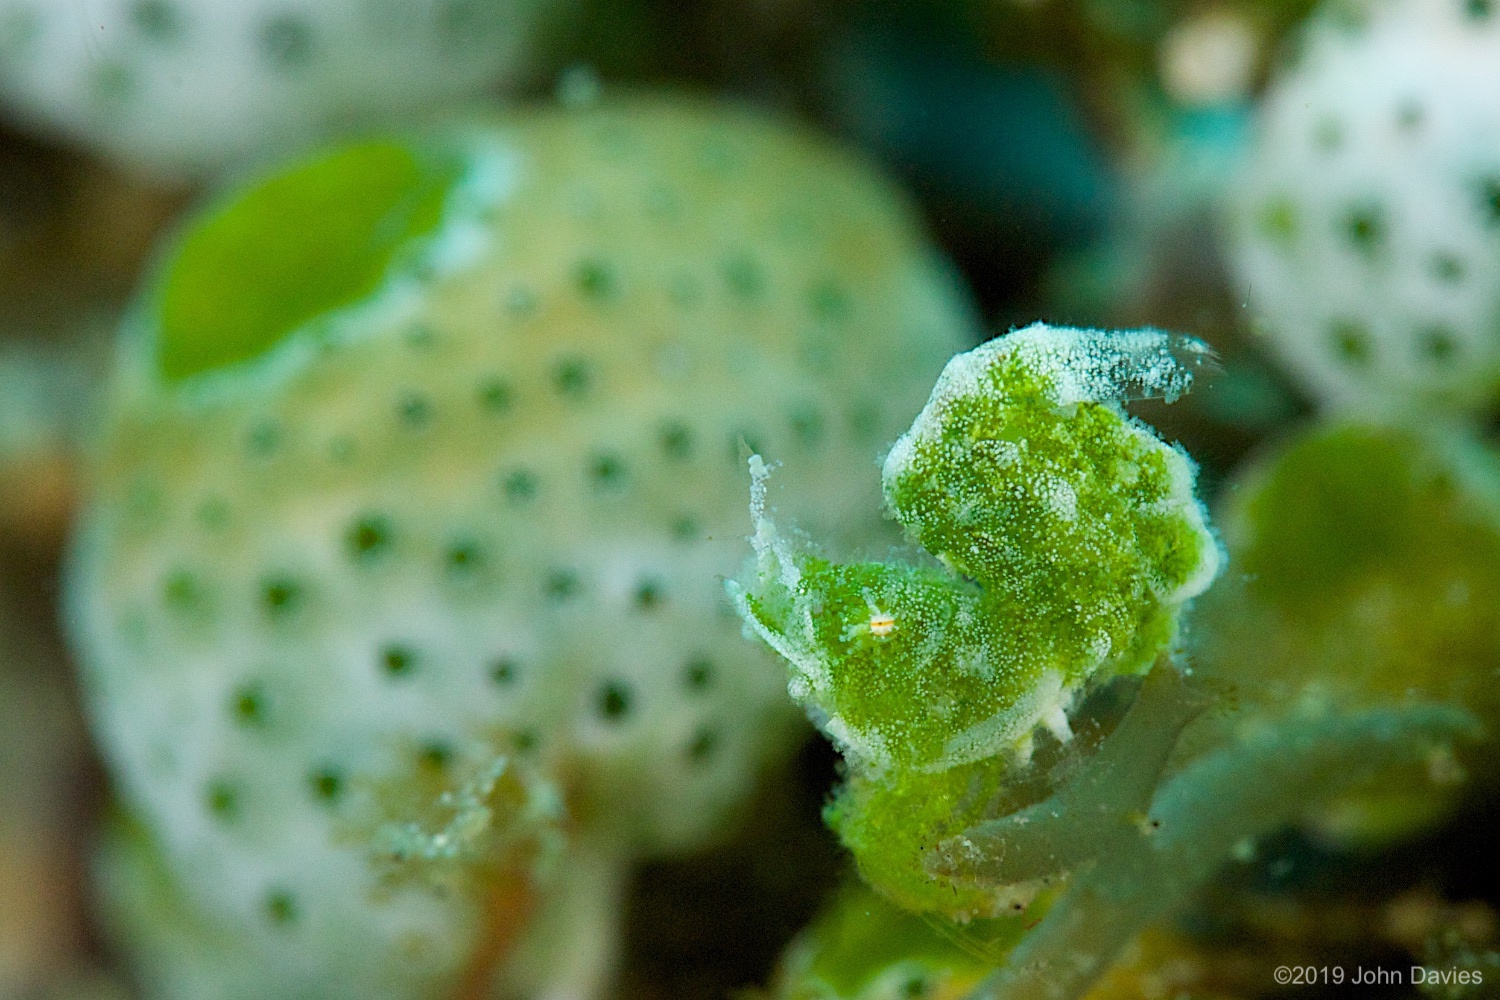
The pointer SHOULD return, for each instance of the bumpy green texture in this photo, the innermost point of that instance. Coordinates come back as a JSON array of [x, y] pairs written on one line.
[[890, 822], [1342, 678], [1070, 540], [355, 545]]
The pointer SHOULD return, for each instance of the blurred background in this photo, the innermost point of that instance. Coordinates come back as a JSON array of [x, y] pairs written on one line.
[[1071, 156]]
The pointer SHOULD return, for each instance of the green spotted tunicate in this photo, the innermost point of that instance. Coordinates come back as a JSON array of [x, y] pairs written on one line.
[[414, 489]]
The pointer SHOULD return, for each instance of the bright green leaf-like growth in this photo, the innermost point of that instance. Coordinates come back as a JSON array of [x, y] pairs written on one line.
[[311, 240], [1070, 540]]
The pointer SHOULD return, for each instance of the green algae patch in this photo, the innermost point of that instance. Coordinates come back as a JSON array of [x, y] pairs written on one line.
[[1343, 506], [887, 822], [863, 948], [1367, 558], [314, 239]]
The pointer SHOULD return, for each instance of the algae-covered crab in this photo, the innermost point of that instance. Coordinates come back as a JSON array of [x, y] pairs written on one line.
[[1070, 543], [1069, 538]]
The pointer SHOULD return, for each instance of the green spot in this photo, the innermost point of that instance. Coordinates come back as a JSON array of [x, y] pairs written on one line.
[[287, 41], [495, 396], [398, 661], [280, 596], [1439, 343], [614, 701], [303, 243], [520, 301], [829, 302], [1364, 225], [183, 591], [698, 675], [744, 277], [807, 426], [525, 741], [1447, 268], [1351, 339], [717, 156], [223, 800], [463, 558], [1489, 199], [685, 291], [607, 471], [1328, 135], [596, 282], [213, 514], [1278, 220], [158, 20], [111, 83], [863, 419], [327, 785], [572, 378], [263, 439], [248, 705], [675, 440], [435, 756], [648, 595], [561, 585], [503, 671], [341, 449], [414, 411], [702, 746], [663, 203], [145, 501], [685, 528], [1479, 10], [368, 537], [520, 486], [420, 337], [281, 908]]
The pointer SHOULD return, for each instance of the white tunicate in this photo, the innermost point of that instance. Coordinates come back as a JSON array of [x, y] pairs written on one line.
[[1366, 226], [189, 87], [321, 590]]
